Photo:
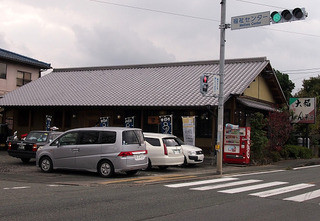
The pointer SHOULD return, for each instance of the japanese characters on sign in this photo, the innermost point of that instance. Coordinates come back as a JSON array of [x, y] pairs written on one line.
[[303, 110], [166, 124], [250, 21], [129, 122]]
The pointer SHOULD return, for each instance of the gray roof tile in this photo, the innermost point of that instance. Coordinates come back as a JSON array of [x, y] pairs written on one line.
[[171, 84]]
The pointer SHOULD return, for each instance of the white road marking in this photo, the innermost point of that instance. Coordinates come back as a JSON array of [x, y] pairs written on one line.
[[17, 188], [256, 173], [305, 196], [217, 186], [282, 190], [253, 187], [201, 182], [306, 167]]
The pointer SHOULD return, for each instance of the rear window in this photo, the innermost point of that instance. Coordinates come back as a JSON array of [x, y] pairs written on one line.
[[108, 137], [37, 136], [153, 141], [132, 137], [170, 142]]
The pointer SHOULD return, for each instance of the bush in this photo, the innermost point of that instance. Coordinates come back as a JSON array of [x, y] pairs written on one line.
[[293, 151]]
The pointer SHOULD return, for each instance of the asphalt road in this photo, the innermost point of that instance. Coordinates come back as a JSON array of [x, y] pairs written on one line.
[[177, 194]]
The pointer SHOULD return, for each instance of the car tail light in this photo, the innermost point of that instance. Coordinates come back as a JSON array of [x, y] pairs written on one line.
[[165, 149], [34, 147], [125, 154], [9, 146], [131, 153]]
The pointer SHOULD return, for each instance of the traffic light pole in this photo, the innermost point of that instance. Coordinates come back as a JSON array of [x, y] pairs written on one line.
[[223, 27]]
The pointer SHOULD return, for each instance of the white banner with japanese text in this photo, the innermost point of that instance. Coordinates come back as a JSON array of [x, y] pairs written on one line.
[[189, 130]]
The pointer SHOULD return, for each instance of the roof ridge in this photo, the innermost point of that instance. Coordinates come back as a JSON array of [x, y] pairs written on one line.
[[155, 65]]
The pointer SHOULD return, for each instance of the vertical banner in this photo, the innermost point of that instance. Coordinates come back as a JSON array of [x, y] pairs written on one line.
[[48, 122], [166, 124], [189, 132], [129, 122], [104, 121]]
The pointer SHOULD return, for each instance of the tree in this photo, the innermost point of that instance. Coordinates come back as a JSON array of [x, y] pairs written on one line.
[[286, 84]]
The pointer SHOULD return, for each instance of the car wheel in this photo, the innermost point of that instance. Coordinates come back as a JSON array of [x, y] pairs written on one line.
[[131, 172], [46, 164], [149, 165], [105, 168], [25, 160], [163, 167], [185, 163]]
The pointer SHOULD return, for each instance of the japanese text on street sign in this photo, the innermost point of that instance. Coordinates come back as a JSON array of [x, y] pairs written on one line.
[[303, 110], [251, 20], [216, 84]]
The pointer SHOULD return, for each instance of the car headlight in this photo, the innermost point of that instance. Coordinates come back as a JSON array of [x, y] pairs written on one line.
[[192, 152]]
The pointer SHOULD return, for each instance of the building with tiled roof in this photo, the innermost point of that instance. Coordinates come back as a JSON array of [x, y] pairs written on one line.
[[78, 97]]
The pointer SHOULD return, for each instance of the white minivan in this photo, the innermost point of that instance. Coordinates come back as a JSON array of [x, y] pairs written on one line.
[[106, 150], [163, 150]]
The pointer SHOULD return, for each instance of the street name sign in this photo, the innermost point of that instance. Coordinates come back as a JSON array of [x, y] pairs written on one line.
[[250, 21]]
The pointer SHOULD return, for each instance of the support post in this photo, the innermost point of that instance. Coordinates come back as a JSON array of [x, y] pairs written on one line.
[[223, 27]]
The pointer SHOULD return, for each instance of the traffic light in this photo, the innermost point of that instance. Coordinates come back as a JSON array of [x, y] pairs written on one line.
[[288, 15], [204, 79]]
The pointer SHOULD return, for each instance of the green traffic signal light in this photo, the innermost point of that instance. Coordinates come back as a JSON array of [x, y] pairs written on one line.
[[275, 16]]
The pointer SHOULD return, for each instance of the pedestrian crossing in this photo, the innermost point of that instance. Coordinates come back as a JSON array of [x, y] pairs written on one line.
[[254, 187]]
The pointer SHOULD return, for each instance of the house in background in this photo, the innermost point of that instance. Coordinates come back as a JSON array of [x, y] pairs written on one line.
[[78, 97], [17, 70]]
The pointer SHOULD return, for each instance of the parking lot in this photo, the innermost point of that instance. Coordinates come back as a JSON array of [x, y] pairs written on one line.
[[13, 169]]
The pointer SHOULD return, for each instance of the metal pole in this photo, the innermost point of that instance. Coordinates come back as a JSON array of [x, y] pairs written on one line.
[[223, 27]]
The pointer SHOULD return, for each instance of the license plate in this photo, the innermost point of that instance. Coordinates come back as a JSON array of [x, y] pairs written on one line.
[[176, 151], [139, 157], [21, 147]]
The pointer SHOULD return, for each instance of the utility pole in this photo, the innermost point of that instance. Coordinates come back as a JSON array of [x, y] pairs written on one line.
[[223, 27]]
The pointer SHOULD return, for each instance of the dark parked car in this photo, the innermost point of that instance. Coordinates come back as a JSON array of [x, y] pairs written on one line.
[[26, 149]]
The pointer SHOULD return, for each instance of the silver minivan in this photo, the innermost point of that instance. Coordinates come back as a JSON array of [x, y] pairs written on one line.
[[106, 150]]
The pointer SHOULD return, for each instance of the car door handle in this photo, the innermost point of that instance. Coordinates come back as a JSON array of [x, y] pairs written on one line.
[[75, 149]]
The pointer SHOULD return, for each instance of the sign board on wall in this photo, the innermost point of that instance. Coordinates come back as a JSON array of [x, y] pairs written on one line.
[[189, 135], [303, 110]]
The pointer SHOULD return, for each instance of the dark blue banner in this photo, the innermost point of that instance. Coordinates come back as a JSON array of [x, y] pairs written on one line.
[[166, 124], [48, 122], [104, 121], [129, 122]]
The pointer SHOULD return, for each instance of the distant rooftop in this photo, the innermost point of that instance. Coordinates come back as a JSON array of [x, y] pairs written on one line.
[[11, 56]]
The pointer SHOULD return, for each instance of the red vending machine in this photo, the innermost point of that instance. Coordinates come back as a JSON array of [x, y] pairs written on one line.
[[236, 144]]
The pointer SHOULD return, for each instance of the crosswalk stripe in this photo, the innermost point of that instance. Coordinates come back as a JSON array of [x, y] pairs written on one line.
[[282, 190], [305, 196], [201, 182], [217, 186], [252, 187]]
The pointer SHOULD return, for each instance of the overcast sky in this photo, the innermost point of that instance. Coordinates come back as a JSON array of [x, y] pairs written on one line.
[[79, 33]]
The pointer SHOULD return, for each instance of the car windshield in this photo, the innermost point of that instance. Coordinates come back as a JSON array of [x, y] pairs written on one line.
[[171, 142], [37, 136]]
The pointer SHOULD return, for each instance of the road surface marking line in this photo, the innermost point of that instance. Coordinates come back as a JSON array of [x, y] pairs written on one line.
[[138, 179], [253, 187], [306, 167], [17, 188], [155, 179], [211, 187], [256, 173], [282, 190], [305, 196], [201, 182]]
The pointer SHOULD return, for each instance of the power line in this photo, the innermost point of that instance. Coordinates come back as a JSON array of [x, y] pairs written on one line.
[[298, 70], [153, 10], [200, 18], [255, 3]]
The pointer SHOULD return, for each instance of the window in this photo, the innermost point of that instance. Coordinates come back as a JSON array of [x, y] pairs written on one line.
[[170, 142], [37, 137], [89, 137], [132, 137], [3, 71], [67, 139], [153, 141], [107, 137], [23, 78]]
